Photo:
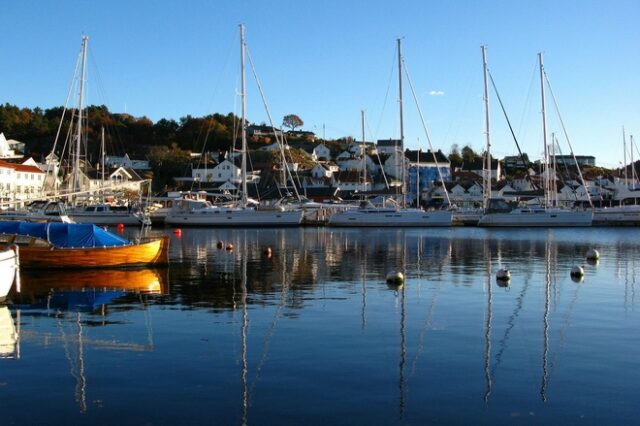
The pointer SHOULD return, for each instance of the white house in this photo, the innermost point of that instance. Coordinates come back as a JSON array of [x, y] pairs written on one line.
[[394, 164], [319, 171], [126, 178], [321, 152], [6, 151], [225, 171], [20, 182], [126, 162], [388, 146], [358, 164]]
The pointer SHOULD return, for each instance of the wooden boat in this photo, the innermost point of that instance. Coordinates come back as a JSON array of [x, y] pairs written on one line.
[[68, 245], [8, 267]]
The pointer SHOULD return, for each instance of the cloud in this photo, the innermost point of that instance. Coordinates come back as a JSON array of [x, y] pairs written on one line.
[[436, 93]]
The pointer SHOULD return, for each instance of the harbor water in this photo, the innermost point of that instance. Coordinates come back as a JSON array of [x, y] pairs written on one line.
[[299, 326]]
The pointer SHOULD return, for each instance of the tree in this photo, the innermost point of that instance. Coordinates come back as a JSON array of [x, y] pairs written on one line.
[[292, 121], [454, 156], [468, 154]]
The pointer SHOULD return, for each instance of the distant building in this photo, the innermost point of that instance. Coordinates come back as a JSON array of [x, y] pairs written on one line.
[[321, 152], [310, 136], [389, 146], [424, 169], [7, 151], [113, 162], [477, 167], [20, 182], [263, 131], [514, 162], [583, 160]]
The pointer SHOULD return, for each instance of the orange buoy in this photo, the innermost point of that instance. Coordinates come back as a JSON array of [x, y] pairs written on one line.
[[267, 252], [178, 232], [229, 247]]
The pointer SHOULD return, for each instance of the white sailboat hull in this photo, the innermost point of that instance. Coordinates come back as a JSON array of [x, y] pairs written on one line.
[[106, 219], [8, 268], [537, 217], [617, 216], [386, 217], [224, 217]]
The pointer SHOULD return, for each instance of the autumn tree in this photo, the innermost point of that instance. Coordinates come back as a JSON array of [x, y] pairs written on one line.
[[292, 121]]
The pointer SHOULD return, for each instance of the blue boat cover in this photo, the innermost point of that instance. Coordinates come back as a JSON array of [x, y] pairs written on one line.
[[65, 235]]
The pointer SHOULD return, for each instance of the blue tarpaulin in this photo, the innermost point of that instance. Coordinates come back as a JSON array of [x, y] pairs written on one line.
[[65, 235]]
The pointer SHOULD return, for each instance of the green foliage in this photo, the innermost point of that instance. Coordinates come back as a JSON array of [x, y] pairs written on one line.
[[468, 154], [454, 156]]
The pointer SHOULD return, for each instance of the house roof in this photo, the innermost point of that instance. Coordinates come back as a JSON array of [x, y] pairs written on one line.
[[416, 156], [388, 142], [20, 167]]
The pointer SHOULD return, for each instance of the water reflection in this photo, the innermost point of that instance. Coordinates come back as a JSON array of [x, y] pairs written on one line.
[[75, 300], [302, 322]]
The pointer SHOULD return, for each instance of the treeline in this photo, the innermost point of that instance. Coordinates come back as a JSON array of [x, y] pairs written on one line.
[[125, 133]]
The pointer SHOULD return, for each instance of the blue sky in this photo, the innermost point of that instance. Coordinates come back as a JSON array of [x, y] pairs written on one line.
[[328, 60]]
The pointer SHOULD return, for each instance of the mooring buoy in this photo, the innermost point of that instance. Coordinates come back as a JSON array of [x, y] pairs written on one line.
[[592, 254], [503, 274], [577, 272], [395, 278]]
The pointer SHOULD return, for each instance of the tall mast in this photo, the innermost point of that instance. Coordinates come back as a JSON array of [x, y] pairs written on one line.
[[243, 119], [553, 185], [76, 158], [400, 103], [633, 166], [364, 155], [624, 153], [544, 132], [102, 152], [486, 183]]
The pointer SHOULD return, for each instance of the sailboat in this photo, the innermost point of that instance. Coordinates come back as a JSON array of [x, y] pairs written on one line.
[[497, 212], [392, 214], [202, 213], [101, 213], [626, 211]]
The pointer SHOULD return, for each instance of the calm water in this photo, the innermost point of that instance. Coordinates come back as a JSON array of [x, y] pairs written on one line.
[[312, 334]]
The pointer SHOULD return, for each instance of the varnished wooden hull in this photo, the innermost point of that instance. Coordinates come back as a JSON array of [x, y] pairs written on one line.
[[149, 253]]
